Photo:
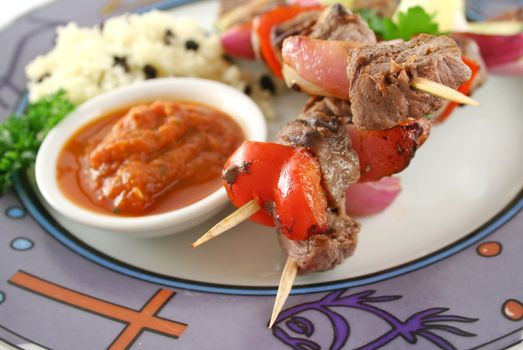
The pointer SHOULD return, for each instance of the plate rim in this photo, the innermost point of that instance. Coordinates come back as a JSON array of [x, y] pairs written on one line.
[[27, 196]]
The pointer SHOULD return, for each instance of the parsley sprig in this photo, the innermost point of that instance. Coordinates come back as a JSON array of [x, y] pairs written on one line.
[[22, 135], [414, 21]]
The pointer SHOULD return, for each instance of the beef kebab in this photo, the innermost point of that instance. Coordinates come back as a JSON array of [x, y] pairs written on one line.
[[298, 183], [266, 32]]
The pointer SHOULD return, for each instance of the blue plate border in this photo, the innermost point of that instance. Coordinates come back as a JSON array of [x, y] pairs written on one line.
[[28, 198]]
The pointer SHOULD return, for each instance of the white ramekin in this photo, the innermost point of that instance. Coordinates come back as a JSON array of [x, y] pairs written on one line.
[[233, 102]]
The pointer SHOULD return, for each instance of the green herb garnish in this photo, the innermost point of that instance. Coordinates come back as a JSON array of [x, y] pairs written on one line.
[[414, 21], [22, 135]]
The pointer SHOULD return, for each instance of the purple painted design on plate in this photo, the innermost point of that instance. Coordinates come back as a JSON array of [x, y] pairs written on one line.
[[420, 324]]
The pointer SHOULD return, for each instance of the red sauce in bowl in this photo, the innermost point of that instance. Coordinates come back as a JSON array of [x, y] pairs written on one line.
[[147, 159]]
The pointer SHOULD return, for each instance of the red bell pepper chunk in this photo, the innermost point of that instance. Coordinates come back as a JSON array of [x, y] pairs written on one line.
[[385, 152], [300, 201], [263, 25], [237, 41], [252, 172], [286, 183], [464, 88]]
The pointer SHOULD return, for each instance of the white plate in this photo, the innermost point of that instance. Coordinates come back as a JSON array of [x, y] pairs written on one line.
[[467, 172]]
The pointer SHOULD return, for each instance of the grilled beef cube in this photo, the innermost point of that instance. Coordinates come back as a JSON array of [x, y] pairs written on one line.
[[380, 78], [321, 128], [339, 23], [327, 250]]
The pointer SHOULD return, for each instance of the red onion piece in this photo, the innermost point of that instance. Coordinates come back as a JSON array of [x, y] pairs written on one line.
[[296, 82], [369, 198], [322, 63], [236, 41], [503, 54]]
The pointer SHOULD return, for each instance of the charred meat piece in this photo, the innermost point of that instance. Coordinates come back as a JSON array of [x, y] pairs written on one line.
[[380, 78], [321, 128], [339, 23], [325, 251]]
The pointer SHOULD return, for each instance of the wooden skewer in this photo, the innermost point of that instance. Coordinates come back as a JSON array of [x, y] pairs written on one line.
[[290, 269], [287, 280], [235, 218], [442, 91]]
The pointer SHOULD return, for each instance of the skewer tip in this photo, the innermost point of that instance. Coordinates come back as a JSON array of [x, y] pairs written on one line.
[[197, 243], [290, 270]]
